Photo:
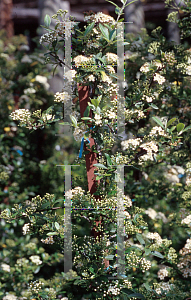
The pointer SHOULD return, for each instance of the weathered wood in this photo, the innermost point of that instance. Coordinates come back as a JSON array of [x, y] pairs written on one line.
[[91, 157], [6, 21]]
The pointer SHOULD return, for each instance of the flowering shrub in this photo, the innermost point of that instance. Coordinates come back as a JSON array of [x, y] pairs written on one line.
[[155, 149]]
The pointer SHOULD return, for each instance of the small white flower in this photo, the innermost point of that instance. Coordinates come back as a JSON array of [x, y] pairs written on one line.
[[5, 267], [160, 79], [111, 115], [35, 259], [10, 297], [30, 91], [26, 228], [43, 80], [145, 68]]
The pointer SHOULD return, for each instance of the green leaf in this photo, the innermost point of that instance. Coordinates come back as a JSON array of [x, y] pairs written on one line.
[[171, 121], [109, 161], [112, 34], [137, 295], [154, 106], [104, 31], [92, 270], [112, 3], [89, 28], [172, 128], [95, 102], [109, 257], [157, 254], [99, 177], [180, 127], [147, 287], [87, 112], [47, 20], [130, 2], [147, 252], [74, 121], [86, 118], [140, 239], [100, 166], [158, 121], [187, 128], [57, 225], [52, 233], [117, 10]]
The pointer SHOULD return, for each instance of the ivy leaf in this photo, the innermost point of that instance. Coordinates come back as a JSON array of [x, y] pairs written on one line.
[[171, 121], [100, 166], [47, 20], [158, 121], [89, 28], [180, 127], [104, 31]]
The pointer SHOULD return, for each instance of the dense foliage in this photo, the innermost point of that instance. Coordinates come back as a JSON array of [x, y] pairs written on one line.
[[155, 149]]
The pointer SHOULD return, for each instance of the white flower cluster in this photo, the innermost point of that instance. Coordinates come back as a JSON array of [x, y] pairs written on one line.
[[131, 143], [111, 114], [145, 68], [157, 130], [22, 261], [145, 264], [76, 191], [26, 228], [159, 78], [187, 220], [22, 115], [127, 201], [36, 286], [81, 60], [97, 118], [165, 286], [154, 236], [162, 273], [48, 37], [111, 58], [79, 132], [114, 289], [10, 297], [48, 240], [70, 75], [91, 77], [35, 260], [43, 80], [156, 215], [99, 17], [5, 267], [63, 97]]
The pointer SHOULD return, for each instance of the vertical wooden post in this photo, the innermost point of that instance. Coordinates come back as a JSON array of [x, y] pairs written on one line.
[[91, 157], [6, 21]]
